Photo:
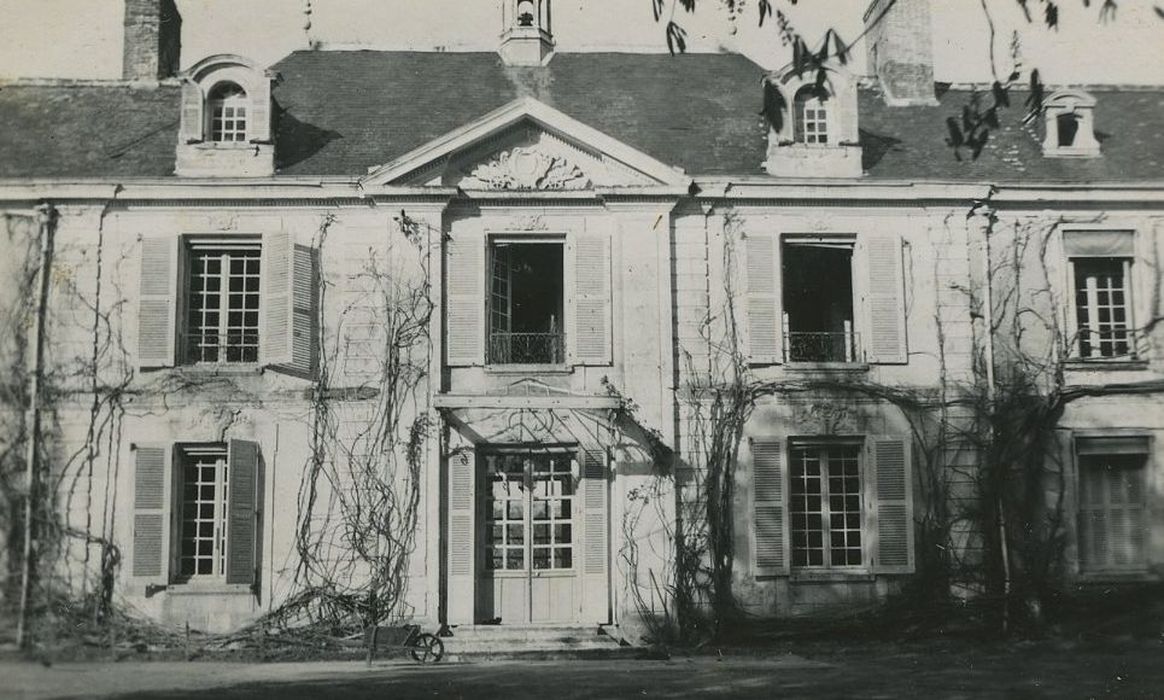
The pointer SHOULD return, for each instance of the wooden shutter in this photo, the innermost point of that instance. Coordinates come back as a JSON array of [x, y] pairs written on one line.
[[277, 270], [242, 506], [596, 551], [157, 301], [304, 311], [765, 325], [259, 124], [465, 300], [590, 338], [885, 335], [192, 125], [1112, 523], [769, 508], [462, 542], [890, 522], [151, 468]]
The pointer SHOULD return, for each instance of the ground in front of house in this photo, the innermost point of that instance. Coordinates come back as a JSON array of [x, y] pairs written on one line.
[[941, 669]]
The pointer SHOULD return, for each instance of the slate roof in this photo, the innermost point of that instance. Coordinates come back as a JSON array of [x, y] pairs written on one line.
[[341, 112]]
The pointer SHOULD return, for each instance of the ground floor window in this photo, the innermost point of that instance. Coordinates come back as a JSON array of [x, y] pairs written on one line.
[[1112, 507], [825, 505], [529, 511], [203, 535]]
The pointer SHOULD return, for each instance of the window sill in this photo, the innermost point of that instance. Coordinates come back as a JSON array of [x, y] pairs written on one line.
[[214, 588], [529, 369], [1103, 365], [827, 366], [831, 576], [209, 369], [1101, 577]]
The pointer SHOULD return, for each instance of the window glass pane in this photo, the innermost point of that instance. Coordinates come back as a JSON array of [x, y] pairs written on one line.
[[825, 505]]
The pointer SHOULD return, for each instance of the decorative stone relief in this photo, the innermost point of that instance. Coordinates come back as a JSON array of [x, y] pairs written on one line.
[[525, 168]]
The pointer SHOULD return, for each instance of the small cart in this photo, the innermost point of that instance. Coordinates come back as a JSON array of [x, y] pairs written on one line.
[[424, 648]]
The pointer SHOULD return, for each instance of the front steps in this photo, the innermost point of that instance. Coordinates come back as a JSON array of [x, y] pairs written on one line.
[[495, 642]]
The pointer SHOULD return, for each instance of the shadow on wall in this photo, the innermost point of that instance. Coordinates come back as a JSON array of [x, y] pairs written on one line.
[[297, 141], [874, 147]]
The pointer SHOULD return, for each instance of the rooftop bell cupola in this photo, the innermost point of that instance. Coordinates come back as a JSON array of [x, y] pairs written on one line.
[[526, 39]]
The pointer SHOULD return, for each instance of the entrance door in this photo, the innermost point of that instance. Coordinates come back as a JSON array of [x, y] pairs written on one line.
[[528, 544]]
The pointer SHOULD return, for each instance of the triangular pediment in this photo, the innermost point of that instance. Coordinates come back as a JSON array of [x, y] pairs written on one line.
[[527, 146]]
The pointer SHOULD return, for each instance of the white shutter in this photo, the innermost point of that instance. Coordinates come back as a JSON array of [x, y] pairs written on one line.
[[596, 551], [765, 325], [151, 472], [304, 307], [157, 301], [462, 542], [590, 339], [890, 521], [885, 335], [276, 309], [192, 126], [769, 508], [465, 300], [259, 125]]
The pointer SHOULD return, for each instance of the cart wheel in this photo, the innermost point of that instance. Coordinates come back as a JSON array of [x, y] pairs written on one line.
[[429, 649]]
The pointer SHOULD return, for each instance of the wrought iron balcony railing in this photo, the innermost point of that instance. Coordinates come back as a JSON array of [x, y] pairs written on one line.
[[527, 348], [1108, 344], [804, 346], [241, 346]]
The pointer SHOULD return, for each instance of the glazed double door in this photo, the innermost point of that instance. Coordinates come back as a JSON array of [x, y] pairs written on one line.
[[529, 511]]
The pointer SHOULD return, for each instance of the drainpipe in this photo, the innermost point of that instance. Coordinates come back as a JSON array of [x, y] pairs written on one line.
[[46, 216]]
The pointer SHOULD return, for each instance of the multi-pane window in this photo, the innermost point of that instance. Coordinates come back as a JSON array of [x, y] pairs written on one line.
[[811, 124], [1102, 307], [222, 319], [203, 535], [529, 511], [526, 302], [825, 504], [227, 107], [1112, 511]]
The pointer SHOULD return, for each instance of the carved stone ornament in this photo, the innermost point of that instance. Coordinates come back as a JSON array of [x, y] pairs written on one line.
[[528, 169]]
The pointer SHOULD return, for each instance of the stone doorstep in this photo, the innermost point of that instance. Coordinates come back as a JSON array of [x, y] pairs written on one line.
[[530, 641]]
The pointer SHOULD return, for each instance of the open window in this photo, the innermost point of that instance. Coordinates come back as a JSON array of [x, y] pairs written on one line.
[[526, 301], [1068, 122], [818, 300]]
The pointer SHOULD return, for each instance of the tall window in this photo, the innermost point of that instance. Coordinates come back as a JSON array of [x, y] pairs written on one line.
[[203, 511], [1102, 308], [1112, 507], [526, 302], [227, 107], [529, 511], [811, 124], [825, 504], [222, 320], [818, 300]]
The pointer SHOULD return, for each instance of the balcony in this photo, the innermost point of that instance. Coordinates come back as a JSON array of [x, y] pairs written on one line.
[[527, 349], [841, 346]]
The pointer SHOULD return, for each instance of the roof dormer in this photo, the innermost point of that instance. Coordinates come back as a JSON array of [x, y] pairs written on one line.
[[812, 129], [526, 38], [1068, 125], [226, 128]]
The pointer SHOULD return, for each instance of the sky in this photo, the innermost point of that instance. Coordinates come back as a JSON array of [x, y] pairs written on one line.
[[82, 38]]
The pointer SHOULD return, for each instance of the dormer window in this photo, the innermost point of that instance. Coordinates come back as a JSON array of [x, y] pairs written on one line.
[[227, 107], [812, 116], [1069, 126]]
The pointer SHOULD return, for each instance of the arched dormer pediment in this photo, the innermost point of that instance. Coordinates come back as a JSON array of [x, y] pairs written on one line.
[[226, 127], [1069, 125], [812, 130]]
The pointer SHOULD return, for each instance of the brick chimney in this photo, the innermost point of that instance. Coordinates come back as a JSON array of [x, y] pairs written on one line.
[[153, 40], [901, 50]]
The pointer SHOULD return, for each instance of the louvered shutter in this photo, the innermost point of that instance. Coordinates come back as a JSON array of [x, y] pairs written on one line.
[[596, 552], [304, 306], [259, 124], [890, 519], [277, 270], [192, 127], [769, 509], [157, 301], [462, 549], [465, 300], [151, 469], [590, 339], [765, 325], [885, 335], [242, 507]]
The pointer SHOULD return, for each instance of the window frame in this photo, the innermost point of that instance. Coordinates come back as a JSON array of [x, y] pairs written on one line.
[[492, 240], [855, 351], [820, 97], [184, 454], [858, 444], [238, 100], [188, 244], [1093, 306], [1082, 450], [1073, 240]]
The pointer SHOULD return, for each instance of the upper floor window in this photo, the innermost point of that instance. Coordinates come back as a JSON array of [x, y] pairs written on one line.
[[526, 302], [818, 300], [227, 111], [1100, 265], [811, 114], [1113, 525], [1068, 122], [222, 319]]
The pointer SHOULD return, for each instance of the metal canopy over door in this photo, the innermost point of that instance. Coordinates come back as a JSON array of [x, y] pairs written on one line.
[[531, 530]]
